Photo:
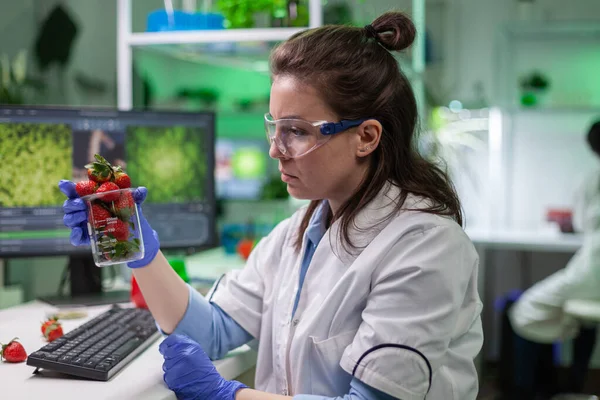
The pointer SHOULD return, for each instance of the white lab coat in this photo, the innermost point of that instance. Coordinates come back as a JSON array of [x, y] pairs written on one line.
[[403, 315], [538, 315]]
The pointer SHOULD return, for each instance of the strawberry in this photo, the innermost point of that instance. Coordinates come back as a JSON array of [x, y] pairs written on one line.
[[85, 188], [96, 177], [53, 331], [99, 215], [13, 352], [122, 180], [48, 322], [124, 206], [108, 187], [117, 229], [121, 230], [100, 170]]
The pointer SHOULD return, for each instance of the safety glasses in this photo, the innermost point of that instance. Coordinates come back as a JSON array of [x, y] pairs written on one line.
[[296, 137]]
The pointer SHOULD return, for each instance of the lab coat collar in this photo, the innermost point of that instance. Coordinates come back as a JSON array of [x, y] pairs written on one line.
[[369, 222]]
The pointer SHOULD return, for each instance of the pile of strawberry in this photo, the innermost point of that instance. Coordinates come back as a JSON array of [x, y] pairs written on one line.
[[111, 209]]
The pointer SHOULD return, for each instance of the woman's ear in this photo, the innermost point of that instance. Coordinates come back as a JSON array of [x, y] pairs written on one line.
[[369, 134]]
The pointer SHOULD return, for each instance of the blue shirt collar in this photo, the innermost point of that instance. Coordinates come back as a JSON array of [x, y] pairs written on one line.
[[317, 226]]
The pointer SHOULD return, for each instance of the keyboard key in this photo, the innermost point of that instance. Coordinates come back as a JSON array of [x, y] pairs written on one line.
[[103, 367], [127, 348], [38, 354]]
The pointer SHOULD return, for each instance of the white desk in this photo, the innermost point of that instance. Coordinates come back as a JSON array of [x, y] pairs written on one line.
[[141, 379], [520, 240]]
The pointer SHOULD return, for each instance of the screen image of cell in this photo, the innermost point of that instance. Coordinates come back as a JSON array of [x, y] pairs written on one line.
[[170, 161], [33, 158]]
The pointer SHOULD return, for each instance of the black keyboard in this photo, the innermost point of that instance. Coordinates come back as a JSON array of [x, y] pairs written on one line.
[[101, 347]]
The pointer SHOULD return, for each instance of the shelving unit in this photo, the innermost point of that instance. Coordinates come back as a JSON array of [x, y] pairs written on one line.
[[177, 44], [172, 42]]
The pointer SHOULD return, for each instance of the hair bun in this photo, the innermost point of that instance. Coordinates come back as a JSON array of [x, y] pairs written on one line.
[[395, 29]]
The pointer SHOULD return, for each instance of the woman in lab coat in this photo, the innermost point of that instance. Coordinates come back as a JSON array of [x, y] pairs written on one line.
[[370, 292], [538, 318]]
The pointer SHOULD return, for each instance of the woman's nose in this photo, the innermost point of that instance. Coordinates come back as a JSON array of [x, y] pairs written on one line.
[[276, 151]]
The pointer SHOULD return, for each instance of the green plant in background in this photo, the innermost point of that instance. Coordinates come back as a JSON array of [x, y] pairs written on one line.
[[206, 97], [536, 80], [170, 162], [34, 157], [243, 13], [533, 88]]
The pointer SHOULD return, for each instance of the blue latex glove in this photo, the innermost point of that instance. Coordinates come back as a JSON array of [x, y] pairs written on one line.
[[76, 218], [190, 373]]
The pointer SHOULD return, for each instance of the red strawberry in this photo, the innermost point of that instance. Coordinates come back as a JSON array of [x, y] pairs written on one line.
[[118, 229], [124, 206], [53, 332], [122, 180], [13, 352], [108, 187], [99, 215], [96, 177], [48, 322], [85, 188], [100, 170]]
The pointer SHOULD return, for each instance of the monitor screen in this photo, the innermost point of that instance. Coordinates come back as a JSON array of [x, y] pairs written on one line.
[[170, 153], [242, 167]]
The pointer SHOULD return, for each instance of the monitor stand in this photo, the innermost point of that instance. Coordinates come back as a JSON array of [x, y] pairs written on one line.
[[86, 285]]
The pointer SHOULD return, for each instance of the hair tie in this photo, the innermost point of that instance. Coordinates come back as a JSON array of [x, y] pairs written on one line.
[[371, 32]]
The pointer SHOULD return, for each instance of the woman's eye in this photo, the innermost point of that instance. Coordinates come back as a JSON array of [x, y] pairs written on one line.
[[296, 131]]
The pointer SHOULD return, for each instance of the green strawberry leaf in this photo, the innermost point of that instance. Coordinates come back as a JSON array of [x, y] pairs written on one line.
[[100, 158]]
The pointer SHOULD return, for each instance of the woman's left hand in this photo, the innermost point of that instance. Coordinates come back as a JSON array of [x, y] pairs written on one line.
[[191, 374]]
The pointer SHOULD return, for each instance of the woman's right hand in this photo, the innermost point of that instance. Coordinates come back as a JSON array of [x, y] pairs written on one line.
[[76, 218]]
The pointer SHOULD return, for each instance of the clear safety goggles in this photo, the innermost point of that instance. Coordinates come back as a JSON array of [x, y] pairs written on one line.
[[296, 137]]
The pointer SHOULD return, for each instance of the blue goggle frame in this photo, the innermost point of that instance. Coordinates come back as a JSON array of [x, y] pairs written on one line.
[[331, 128]]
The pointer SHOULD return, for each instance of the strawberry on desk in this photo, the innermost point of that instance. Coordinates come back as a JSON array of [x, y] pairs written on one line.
[[53, 331], [13, 352], [48, 322]]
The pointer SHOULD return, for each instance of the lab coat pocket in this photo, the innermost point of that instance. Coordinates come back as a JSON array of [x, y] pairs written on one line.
[[327, 376]]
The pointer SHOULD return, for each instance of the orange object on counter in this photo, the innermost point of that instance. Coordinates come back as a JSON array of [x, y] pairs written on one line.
[[244, 248]]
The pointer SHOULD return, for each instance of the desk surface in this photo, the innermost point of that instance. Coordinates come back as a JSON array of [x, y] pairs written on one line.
[[526, 240], [141, 379]]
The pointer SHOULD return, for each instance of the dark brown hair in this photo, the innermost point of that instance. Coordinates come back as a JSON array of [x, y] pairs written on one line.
[[358, 77]]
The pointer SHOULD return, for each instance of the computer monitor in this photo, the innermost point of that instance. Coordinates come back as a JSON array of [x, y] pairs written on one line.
[[242, 167], [171, 153]]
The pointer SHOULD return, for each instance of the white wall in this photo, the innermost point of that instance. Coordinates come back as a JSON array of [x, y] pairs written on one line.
[[551, 159]]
